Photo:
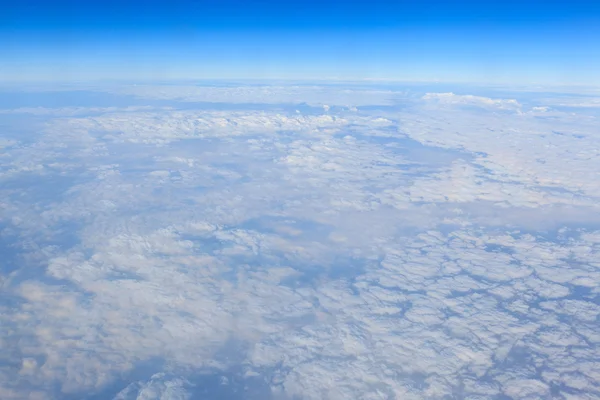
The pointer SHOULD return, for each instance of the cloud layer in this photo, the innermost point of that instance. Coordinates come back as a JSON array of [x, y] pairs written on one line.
[[444, 248]]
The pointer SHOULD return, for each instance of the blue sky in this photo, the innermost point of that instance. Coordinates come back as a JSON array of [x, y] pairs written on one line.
[[551, 42]]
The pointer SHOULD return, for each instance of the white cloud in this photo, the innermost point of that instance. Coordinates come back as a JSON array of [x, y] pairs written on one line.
[[451, 98], [159, 387]]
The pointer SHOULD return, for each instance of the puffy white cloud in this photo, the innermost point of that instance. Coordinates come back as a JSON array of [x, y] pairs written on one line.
[[159, 387], [166, 126], [451, 98]]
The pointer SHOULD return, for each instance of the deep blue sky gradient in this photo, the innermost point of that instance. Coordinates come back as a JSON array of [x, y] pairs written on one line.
[[552, 42]]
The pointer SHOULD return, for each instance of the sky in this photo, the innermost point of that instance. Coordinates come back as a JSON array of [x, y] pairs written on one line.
[[550, 42]]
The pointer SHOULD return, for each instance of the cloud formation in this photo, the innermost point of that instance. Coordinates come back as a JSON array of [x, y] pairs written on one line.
[[451, 98], [428, 251]]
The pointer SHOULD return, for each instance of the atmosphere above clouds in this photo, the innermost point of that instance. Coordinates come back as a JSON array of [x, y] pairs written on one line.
[[464, 41]]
